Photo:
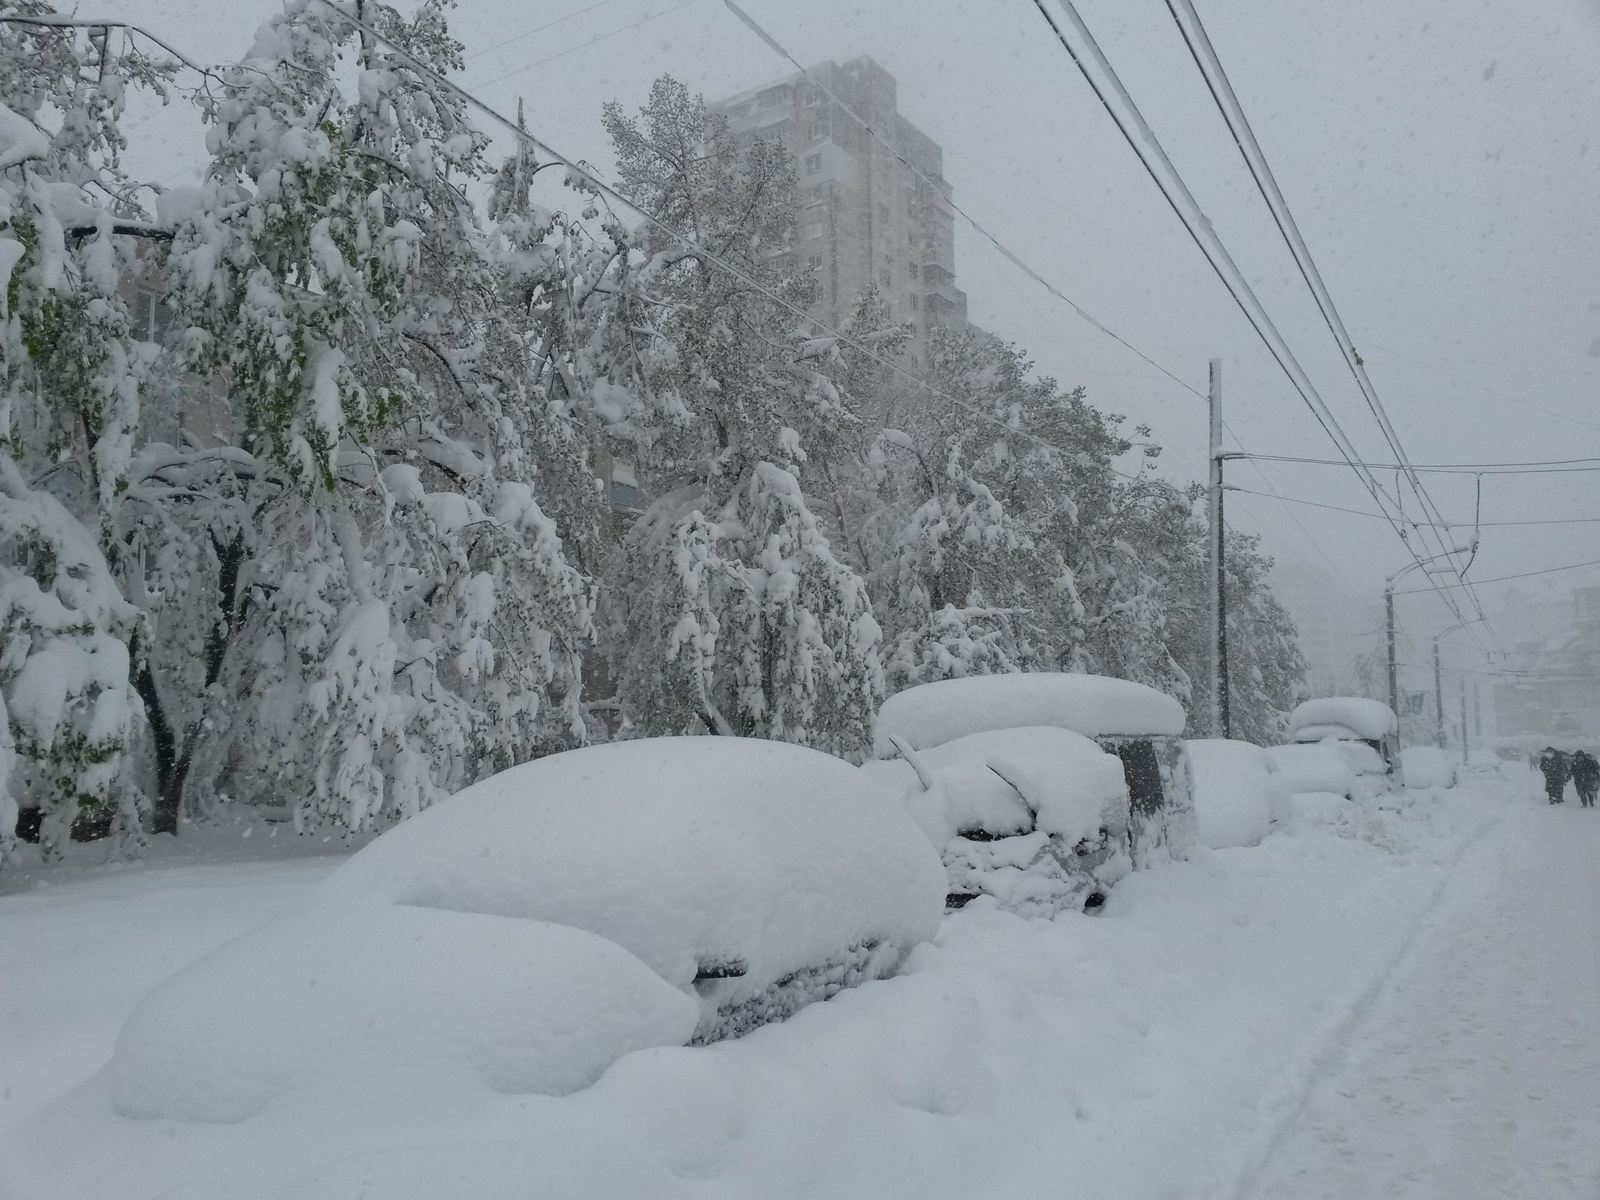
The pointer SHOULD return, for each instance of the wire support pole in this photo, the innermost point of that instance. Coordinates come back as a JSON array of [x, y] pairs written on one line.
[[1220, 717]]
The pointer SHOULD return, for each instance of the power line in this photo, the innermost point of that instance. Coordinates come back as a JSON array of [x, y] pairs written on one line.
[[645, 20], [537, 29], [1142, 140], [1557, 466], [588, 176], [1520, 575], [1221, 88], [1227, 101], [1379, 516], [778, 48]]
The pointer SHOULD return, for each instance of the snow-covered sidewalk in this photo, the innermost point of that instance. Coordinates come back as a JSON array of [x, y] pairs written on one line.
[[1476, 1070], [1165, 1048]]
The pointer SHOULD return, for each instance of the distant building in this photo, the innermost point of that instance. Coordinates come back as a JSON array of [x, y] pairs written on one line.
[[1553, 690], [864, 217], [1333, 633]]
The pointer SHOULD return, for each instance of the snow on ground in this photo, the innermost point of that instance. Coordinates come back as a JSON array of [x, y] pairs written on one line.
[[1166, 1048], [1475, 1071]]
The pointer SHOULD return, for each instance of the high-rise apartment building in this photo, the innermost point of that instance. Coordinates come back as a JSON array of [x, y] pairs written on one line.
[[865, 218]]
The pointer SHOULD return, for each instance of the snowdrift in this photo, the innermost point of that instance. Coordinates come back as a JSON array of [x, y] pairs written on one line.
[[1238, 792], [756, 875], [1426, 767], [379, 1000], [1314, 767], [1341, 716], [1035, 817], [1093, 705]]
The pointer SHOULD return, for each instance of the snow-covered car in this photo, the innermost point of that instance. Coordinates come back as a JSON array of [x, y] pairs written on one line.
[[537, 925], [756, 875], [1036, 817], [1238, 791], [1349, 719], [1135, 726], [1321, 767], [1428, 767]]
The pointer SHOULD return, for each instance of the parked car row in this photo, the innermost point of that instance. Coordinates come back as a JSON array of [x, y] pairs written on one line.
[[672, 891]]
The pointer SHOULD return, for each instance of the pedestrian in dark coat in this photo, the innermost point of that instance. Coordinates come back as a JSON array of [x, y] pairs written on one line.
[[1586, 777], [1555, 767]]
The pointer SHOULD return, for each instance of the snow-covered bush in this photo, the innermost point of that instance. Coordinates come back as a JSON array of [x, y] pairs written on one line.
[[1238, 792], [388, 1002], [755, 875], [1427, 767]]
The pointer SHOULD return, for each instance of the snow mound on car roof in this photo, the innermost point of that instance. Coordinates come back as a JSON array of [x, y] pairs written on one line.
[[389, 1001], [1093, 705], [700, 855], [1361, 717]]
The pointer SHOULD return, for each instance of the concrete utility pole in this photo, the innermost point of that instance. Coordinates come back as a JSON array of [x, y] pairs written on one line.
[[1464, 746], [1220, 722], [1438, 698], [1394, 690]]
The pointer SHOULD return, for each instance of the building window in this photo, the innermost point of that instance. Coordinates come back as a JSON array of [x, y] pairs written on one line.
[[814, 229], [884, 275], [815, 262], [624, 486], [813, 163], [888, 312], [770, 99], [883, 212], [812, 97], [911, 270], [911, 237], [913, 304], [816, 192], [816, 130]]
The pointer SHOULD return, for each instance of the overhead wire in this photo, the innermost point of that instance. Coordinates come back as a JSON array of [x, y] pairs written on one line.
[[1558, 466], [588, 176], [778, 48], [1142, 140], [1220, 86]]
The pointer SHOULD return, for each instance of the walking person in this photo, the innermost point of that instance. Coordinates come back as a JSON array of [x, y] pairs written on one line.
[[1586, 777], [1555, 767]]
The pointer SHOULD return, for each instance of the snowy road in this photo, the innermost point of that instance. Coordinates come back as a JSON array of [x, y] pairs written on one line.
[[1397, 998], [1475, 1071]]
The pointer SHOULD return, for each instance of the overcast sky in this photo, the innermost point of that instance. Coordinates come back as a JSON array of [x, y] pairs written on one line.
[[1441, 158]]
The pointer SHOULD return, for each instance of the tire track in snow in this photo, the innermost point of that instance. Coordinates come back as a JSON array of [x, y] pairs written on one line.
[[1283, 1103]]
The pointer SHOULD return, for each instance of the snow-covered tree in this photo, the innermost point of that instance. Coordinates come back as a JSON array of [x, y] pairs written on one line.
[[70, 383], [729, 606], [997, 537], [408, 619]]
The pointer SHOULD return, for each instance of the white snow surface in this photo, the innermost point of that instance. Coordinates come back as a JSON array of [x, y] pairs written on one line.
[[931, 714], [1397, 997], [1238, 791], [368, 1001], [1068, 786], [1358, 756], [1314, 767], [1364, 718], [683, 851], [1427, 767]]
